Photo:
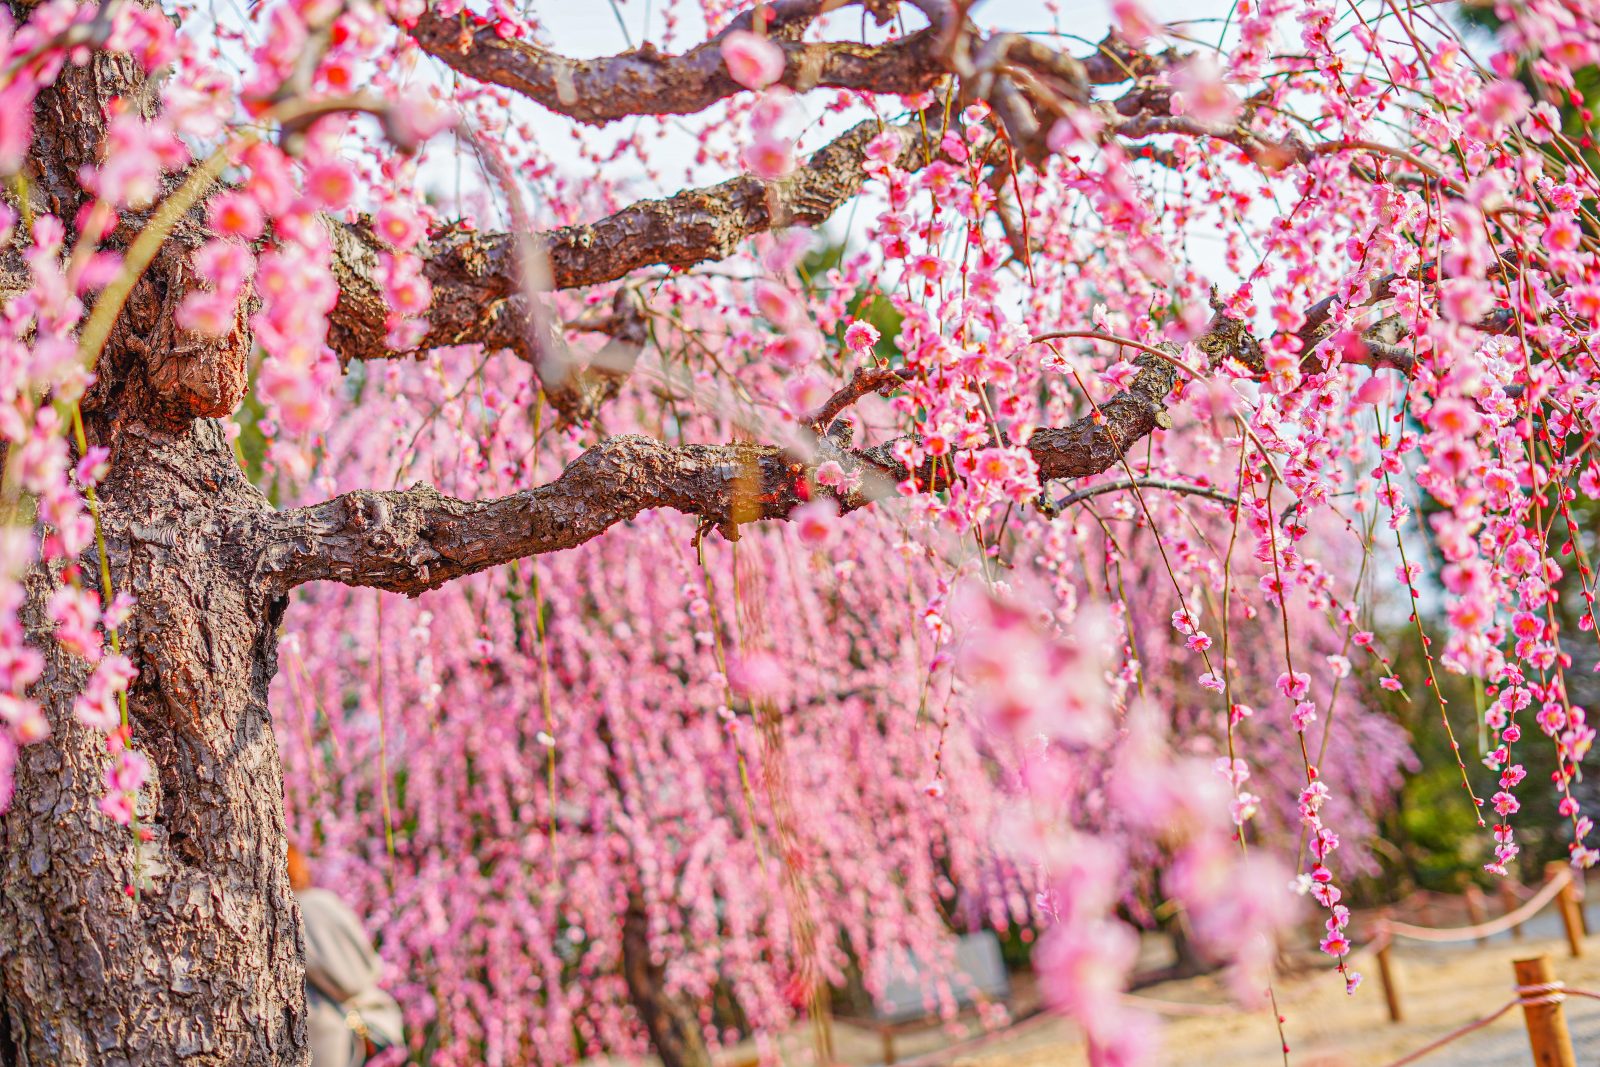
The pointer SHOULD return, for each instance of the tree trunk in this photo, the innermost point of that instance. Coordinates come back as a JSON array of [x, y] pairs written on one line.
[[204, 966], [185, 949], [671, 1021]]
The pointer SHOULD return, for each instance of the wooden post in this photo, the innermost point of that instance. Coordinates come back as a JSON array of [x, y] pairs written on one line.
[[1508, 901], [1547, 1022], [1570, 917], [1567, 905], [1475, 909], [1580, 893], [1391, 991]]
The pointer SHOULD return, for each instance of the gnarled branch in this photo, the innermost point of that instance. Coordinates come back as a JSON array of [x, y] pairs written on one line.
[[647, 82], [417, 539], [866, 380], [477, 280], [479, 291], [707, 224]]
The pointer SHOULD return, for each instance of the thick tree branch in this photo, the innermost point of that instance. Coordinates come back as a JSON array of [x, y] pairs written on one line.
[[709, 224], [414, 540], [644, 81], [477, 280], [647, 82], [478, 283], [418, 539], [1098, 442], [475, 301]]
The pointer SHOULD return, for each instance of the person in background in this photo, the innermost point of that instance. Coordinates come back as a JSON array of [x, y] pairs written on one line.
[[350, 1017]]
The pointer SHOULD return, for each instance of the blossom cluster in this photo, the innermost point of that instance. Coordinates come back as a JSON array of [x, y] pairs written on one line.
[[42, 379]]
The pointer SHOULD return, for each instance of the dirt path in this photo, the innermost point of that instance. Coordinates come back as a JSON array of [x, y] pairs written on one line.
[[1441, 989]]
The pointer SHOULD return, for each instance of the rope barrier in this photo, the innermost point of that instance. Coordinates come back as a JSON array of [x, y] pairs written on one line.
[[1478, 1024], [1549, 993], [1387, 930], [1541, 993], [1528, 995], [1471, 933], [1583, 993]]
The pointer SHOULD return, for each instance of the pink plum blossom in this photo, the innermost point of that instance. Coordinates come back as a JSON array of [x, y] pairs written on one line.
[[753, 60]]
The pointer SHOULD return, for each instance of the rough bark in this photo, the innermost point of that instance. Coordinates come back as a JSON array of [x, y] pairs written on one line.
[[203, 966], [412, 540], [648, 82], [186, 949], [479, 281]]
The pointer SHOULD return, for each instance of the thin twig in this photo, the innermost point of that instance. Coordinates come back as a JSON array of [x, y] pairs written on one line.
[[1126, 342], [1143, 483], [866, 380]]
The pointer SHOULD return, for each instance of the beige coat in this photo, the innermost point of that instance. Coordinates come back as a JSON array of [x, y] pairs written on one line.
[[342, 990]]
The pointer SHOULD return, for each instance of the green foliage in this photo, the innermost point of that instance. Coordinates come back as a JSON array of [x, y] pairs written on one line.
[[251, 445], [869, 305], [1484, 21], [1436, 842]]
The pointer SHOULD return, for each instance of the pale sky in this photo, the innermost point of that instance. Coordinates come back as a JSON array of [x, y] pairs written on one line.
[[592, 28]]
